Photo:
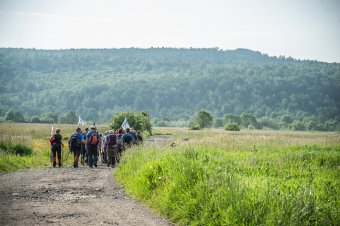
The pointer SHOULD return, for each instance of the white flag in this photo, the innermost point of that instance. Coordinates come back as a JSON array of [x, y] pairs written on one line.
[[125, 124], [52, 131], [81, 122]]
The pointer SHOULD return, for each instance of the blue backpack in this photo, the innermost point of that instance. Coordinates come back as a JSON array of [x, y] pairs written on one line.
[[74, 141], [127, 138]]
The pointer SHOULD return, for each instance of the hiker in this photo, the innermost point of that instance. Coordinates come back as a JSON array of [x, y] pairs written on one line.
[[75, 144], [120, 145], [127, 138], [139, 137], [134, 136], [56, 145], [83, 148], [100, 143], [111, 147], [103, 148], [92, 140]]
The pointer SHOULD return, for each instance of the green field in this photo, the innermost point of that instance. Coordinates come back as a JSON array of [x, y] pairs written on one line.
[[214, 177]]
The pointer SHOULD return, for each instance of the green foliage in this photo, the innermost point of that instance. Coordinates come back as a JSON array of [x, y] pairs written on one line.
[[196, 127], [218, 123], [230, 118], [232, 126], [203, 119], [68, 118], [169, 83], [15, 148], [247, 120], [14, 116], [140, 121], [201, 185], [35, 119]]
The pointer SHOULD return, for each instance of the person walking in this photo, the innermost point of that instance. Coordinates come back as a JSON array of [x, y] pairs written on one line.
[[112, 148], [56, 145], [75, 144], [92, 140], [83, 158]]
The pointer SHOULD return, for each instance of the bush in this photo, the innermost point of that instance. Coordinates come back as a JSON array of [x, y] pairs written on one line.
[[231, 126], [21, 149], [140, 121], [17, 149], [196, 127]]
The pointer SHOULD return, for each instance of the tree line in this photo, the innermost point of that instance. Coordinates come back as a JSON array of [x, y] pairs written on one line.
[[171, 85]]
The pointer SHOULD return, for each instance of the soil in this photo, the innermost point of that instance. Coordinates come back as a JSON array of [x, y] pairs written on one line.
[[68, 196]]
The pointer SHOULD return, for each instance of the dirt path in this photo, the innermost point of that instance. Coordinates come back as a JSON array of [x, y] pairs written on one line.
[[69, 196]]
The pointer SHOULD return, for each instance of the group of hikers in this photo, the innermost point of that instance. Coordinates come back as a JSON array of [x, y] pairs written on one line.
[[88, 144]]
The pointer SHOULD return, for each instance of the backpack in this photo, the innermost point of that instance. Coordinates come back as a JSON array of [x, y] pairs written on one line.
[[127, 138], [94, 138], [74, 141], [134, 136], [54, 141], [111, 140]]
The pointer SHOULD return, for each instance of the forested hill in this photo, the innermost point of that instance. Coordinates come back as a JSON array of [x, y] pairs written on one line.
[[170, 84]]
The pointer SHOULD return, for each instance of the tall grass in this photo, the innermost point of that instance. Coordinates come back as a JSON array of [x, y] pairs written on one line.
[[24, 145], [247, 178]]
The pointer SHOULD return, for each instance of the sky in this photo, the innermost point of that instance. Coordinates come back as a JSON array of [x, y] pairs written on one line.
[[302, 29]]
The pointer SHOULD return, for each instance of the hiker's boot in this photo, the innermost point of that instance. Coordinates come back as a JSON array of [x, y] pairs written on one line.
[[54, 162], [59, 162]]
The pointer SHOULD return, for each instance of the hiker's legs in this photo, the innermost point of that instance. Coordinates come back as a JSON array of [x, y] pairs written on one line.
[[59, 156], [92, 155], [54, 153], [76, 153]]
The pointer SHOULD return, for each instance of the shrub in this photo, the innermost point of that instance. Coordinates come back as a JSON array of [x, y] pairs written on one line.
[[231, 126], [196, 127], [17, 149], [21, 149]]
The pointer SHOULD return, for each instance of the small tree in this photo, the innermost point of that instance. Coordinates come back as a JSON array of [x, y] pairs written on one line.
[[140, 121], [203, 119]]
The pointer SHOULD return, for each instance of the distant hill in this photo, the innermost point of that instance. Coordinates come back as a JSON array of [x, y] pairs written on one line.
[[170, 84]]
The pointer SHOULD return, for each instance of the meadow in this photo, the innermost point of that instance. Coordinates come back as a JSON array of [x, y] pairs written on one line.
[[36, 138], [215, 177]]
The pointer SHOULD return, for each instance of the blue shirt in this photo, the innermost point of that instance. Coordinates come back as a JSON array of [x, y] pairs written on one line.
[[88, 135]]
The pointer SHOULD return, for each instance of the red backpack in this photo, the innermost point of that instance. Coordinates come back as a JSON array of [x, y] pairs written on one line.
[[54, 141], [112, 140], [94, 138]]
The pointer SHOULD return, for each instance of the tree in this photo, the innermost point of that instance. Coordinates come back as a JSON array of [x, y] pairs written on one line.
[[139, 121], [68, 118], [247, 120], [14, 116], [35, 119], [49, 117], [204, 119]]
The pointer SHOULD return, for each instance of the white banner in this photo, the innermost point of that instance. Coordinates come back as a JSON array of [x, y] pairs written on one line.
[[81, 121], [125, 124]]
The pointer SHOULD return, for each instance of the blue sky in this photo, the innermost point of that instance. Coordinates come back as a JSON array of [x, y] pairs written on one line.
[[303, 29]]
